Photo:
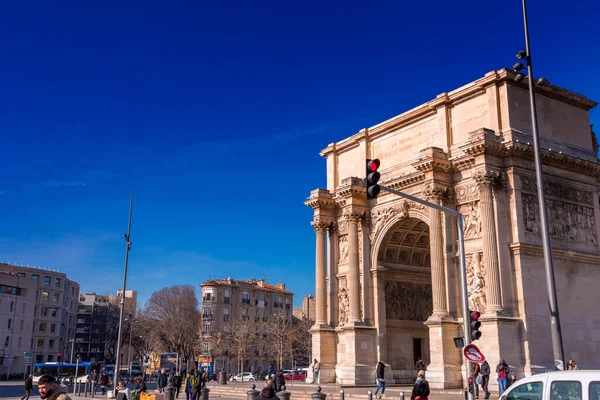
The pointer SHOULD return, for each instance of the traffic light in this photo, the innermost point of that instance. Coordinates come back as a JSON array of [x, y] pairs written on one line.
[[371, 179], [474, 324], [58, 357]]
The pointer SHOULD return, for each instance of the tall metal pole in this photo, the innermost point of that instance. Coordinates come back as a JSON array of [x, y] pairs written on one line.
[[127, 237], [463, 268], [129, 351], [557, 344], [72, 349]]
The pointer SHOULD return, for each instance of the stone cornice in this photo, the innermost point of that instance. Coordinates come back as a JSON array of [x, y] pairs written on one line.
[[404, 181], [320, 198], [518, 248], [498, 77]]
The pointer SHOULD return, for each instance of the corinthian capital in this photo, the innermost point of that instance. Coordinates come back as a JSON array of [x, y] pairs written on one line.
[[353, 217], [435, 192], [320, 226], [488, 178]]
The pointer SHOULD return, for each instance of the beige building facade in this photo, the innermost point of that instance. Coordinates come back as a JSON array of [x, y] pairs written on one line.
[[38, 309], [387, 271]]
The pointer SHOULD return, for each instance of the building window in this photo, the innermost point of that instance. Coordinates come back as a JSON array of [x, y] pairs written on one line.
[[207, 312], [44, 311], [52, 328], [35, 277], [33, 328], [54, 312], [24, 308], [50, 357], [51, 343], [287, 302], [56, 297], [43, 326], [22, 324], [45, 296], [226, 297], [12, 305], [47, 281], [206, 328], [245, 298], [6, 341], [20, 342], [208, 295], [57, 282], [9, 323], [226, 314], [40, 343], [205, 347]]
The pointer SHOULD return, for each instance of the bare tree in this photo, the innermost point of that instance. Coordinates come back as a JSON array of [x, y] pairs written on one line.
[[302, 340], [145, 340], [281, 333], [239, 338], [174, 312]]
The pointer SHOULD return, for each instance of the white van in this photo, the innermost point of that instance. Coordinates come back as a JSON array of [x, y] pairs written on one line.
[[559, 385]]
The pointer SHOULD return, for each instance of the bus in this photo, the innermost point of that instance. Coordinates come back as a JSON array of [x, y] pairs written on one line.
[[62, 371]]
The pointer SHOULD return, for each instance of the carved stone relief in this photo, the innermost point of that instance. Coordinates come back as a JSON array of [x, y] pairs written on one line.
[[467, 193], [565, 220], [343, 242], [344, 302], [342, 226], [558, 190], [408, 301], [379, 218], [471, 219], [476, 282]]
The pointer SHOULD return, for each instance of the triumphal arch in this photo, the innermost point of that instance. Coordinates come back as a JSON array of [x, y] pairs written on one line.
[[387, 271]]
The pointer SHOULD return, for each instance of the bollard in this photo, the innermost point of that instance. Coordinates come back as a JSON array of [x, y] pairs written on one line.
[[283, 395], [318, 395], [85, 388], [170, 392], [401, 395], [253, 393], [204, 393], [370, 395], [93, 389], [342, 394]]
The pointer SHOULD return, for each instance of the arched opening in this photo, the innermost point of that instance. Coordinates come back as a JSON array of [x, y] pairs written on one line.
[[404, 263]]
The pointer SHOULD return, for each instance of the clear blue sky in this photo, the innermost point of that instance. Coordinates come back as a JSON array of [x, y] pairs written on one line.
[[215, 113]]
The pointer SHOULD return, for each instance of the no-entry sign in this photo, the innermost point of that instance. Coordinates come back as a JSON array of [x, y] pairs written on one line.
[[473, 354]]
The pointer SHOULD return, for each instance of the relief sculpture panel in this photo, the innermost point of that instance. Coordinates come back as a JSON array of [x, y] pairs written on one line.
[[476, 282], [471, 219], [566, 221], [408, 301], [555, 189], [344, 302]]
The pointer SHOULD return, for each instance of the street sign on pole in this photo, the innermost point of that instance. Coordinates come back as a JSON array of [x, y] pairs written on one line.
[[473, 354], [8, 361]]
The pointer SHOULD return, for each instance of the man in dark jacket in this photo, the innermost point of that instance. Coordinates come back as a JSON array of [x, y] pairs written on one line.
[[421, 388], [162, 381], [380, 378], [279, 381], [197, 386], [484, 371], [28, 387]]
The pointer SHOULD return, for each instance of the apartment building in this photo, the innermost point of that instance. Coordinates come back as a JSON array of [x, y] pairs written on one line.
[[254, 302], [38, 309], [308, 309]]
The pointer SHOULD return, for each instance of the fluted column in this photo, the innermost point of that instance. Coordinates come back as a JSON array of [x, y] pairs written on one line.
[[435, 193], [321, 272], [353, 268], [332, 298], [487, 180]]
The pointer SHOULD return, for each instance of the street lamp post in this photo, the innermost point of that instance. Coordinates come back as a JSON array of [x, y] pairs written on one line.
[[127, 238], [557, 344], [130, 319]]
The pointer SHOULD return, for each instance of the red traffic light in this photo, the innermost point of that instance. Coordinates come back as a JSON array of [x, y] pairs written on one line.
[[475, 315], [59, 354], [470, 380], [373, 165]]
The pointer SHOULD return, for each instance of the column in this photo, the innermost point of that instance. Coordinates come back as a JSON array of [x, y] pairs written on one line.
[[435, 193], [353, 269], [321, 272], [486, 181], [332, 281]]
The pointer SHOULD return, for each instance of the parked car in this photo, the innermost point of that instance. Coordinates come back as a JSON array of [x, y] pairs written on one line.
[[247, 377], [297, 375], [559, 385]]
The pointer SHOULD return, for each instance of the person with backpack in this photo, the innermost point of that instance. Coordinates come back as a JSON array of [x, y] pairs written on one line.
[[502, 370], [421, 388], [484, 372]]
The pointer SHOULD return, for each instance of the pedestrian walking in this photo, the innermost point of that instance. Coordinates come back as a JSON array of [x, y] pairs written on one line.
[[104, 382], [571, 366], [270, 369], [502, 371], [475, 369], [189, 387], [484, 371], [162, 381], [123, 392], [197, 386], [279, 381], [28, 387], [421, 388], [177, 381], [316, 369], [380, 378], [93, 381], [49, 389]]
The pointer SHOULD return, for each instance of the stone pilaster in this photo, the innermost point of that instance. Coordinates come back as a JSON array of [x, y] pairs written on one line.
[[353, 268], [435, 193], [321, 272], [332, 293], [487, 180]]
